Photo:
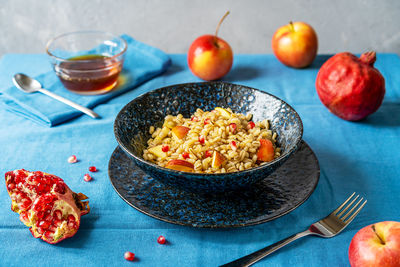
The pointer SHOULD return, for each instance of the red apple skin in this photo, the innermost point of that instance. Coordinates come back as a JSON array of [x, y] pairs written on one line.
[[295, 46], [266, 151], [180, 165], [210, 57], [180, 131], [366, 249]]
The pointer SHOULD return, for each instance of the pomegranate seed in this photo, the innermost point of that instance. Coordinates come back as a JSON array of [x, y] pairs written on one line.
[[53, 228], [40, 188], [92, 169], [59, 188], [208, 153], [129, 256], [165, 148], [44, 224], [161, 240], [194, 118], [87, 177], [72, 224], [48, 217], [20, 186], [207, 121], [25, 203], [232, 127], [40, 214], [251, 125], [58, 214], [24, 216], [185, 155], [202, 140], [11, 186], [71, 218], [233, 145], [72, 159], [49, 234]]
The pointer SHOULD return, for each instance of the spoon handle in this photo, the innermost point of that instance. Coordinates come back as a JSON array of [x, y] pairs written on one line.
[[87, 111]]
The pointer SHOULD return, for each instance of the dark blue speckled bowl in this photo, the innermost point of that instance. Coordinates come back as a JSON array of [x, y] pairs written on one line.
[[133, 121]]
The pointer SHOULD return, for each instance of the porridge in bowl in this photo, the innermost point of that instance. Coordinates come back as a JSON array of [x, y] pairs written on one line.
[[217, 141]]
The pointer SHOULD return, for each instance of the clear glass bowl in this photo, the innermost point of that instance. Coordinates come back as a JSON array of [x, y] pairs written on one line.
[[87, 62]]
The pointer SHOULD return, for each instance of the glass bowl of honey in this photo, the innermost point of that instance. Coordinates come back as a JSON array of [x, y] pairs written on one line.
[[87, 62]]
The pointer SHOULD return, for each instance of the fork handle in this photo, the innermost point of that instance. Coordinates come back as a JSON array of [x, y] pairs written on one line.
[[262, 253]]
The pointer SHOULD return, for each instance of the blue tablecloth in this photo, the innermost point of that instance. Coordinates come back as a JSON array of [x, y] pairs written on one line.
[[354, 156]]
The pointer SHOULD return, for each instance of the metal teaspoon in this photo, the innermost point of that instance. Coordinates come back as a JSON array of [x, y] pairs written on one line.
[[30, 85]]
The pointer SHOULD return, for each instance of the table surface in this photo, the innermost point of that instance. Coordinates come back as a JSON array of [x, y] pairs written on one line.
[[354, 156]]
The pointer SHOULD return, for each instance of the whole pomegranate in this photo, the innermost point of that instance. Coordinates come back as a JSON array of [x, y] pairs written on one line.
[[45, 204], [351, 87]]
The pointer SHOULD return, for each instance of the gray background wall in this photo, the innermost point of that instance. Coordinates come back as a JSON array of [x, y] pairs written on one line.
[[354, 26]]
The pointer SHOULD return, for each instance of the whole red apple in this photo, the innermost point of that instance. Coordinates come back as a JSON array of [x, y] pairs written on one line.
[[210, 57], [376, 245], [295, 44]]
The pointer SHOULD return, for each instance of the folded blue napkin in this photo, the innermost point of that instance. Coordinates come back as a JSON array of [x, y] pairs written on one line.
[[142, 63]]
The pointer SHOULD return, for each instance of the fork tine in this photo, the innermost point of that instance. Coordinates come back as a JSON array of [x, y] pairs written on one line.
[[347, 207], [344, 203], [355, 213], [351, 210]]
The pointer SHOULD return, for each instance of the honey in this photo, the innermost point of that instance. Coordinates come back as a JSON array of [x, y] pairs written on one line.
[[89, 74]]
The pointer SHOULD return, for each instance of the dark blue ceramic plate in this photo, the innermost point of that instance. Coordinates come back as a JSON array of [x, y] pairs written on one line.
[[134, 120], [281, 192]]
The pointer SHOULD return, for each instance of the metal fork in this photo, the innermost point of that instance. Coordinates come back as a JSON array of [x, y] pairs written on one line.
[[329, 226]]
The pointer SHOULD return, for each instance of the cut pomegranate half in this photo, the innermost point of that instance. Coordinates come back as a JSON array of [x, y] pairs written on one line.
[[46, 204]]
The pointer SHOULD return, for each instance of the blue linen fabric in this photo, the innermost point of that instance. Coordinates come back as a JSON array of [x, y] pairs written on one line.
[[142, 62], [354, 156]]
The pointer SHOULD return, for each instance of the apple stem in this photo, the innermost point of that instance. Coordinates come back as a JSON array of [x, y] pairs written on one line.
[[291, 26], [219, 24], [380, 239]]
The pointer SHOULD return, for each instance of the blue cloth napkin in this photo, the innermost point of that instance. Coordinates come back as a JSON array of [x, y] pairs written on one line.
[[142, 63]]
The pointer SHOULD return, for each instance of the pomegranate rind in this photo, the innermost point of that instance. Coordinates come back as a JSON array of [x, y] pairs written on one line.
[[36, 196]]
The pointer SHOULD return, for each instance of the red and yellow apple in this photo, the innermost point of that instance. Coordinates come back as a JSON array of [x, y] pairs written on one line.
[[217, 159], [376, 245], [223, 112], [180, 165], [210, 57], [157, 151], [180, 132], [266, 151], [295, 44]]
